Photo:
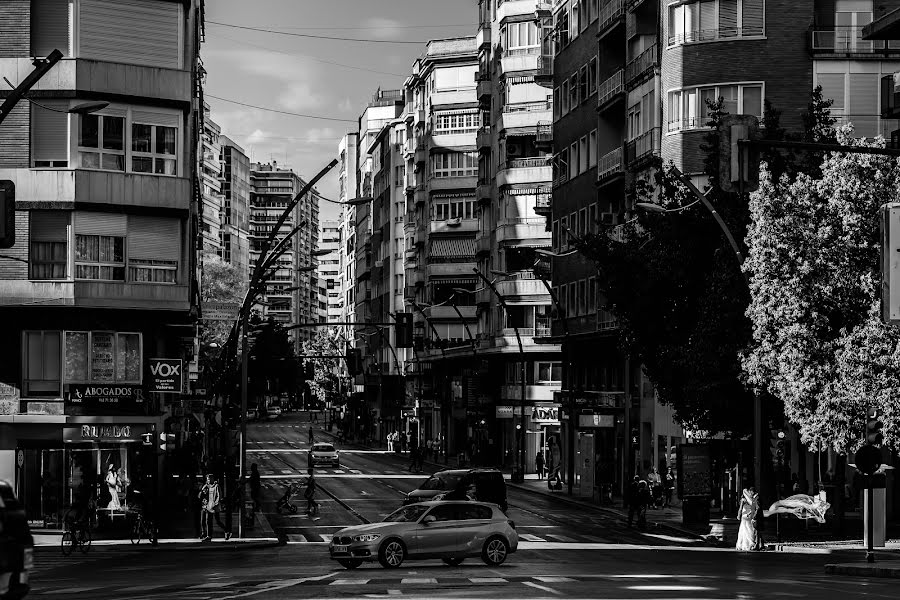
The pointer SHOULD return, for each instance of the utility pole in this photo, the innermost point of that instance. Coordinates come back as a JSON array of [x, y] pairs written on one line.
[[41, 67]]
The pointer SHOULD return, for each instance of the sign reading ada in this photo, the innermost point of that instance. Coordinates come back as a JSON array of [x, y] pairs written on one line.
[[166, 375]]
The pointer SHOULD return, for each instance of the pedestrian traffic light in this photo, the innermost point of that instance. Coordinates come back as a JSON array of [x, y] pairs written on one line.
[[7, 213], [403, 330], [147, 439], [874, 437], [776, 446], [635, 437], [738, 162], [167, 442]]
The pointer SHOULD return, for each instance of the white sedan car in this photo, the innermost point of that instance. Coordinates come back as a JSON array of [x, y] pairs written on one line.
[[273, 412], [323, 453]]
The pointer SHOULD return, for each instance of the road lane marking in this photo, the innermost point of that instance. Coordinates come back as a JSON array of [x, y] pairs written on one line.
[[488, 580], [285, 583], [343, 476], [541, 587], [552, 579], [670, 538], [530, 537], [418, 581], [212, 585], [561, 538], [350, 582]]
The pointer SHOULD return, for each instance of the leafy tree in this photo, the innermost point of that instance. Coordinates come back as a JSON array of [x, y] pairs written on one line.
[[327, 372], [814, 267], [220, 282]]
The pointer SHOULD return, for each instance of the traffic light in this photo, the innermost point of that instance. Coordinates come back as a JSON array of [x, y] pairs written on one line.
[[7, 213], [874, 437], [353, 356], [231, 414], [635, 437], [776, 446], [736, 162], [403, 330], [167, 442]]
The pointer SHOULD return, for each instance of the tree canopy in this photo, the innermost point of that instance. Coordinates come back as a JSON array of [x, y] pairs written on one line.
[[327, 377], [814, 267]]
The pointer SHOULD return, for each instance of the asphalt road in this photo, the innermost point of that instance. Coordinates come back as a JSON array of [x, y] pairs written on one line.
[[565, 552]]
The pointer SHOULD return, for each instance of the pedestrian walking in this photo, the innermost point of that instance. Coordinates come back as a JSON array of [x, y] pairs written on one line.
[[312, 507], [539, 464], [390, 442], [748, 534], [634, 499], [670, 487], [311, 438], [255, 486], [413, 457], [210, 500]]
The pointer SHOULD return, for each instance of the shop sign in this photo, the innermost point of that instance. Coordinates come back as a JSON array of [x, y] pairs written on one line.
[[219, 311], [166, 375], [104, 433], [545, 415], [596, 420], [127, 397], [505, 412], [426, 403]]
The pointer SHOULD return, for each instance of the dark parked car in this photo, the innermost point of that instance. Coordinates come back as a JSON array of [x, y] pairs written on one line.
[[16, 546], [483, 485]]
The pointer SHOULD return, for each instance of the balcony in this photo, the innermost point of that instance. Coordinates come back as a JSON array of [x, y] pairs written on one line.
[[419, 237], [609, 166], [543, 135], [451, 269], [454, 226], [523, 229], [452, 183], [110, 294], [483, 245], [639, 150], [642, 67], [606, 321], [409, 147], [449, 98], [631, 5], [524, 116], [483, 138], [843, 41], [543, 204], [421, 155], [483, 190], [421, 194], [453, 141], [611, 16], [408, 113], [448, 313], [514, 8], [525, 170], [113, 188], [484, 88], [543, 74], [483, 37], [419, 113], [517, 63], [522, 283], [611, 90], [95, 76]]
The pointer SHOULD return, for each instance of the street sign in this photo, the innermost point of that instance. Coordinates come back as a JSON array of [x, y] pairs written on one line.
[[219, 311], [166, 375]]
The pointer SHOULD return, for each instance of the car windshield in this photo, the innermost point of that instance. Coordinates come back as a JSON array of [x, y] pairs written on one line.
[[407, 514], [323, 448], [441, 481]]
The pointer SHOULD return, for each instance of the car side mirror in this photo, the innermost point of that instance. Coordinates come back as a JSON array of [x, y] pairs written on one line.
[[429, 520]]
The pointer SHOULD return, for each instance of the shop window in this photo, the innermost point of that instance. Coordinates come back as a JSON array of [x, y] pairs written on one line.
[[41, 364], [549, 372], [100, 257], [102, 357]]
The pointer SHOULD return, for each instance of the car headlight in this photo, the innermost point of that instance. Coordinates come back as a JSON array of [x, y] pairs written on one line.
[[368, 537]]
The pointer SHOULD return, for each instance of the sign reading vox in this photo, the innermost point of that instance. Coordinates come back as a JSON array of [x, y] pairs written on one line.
[[166, 375]]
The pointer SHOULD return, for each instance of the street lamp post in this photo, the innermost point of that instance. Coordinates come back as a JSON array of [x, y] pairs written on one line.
[[521, 426]]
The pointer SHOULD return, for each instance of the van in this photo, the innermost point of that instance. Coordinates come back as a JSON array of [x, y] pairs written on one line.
[[483, 485]]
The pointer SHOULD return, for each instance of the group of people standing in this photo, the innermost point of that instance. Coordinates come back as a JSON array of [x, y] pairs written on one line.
[[655, 490]]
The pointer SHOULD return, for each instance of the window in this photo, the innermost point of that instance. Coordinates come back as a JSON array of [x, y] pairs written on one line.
[[592, 77], [592, 149], [153, 149], [565, 96], [573, 91], [556, 105], [454, 164], [573, 160], [583, 83], [41, 363], [711, 20], [101, 142], [102, 357], [583, 154], [592, 218], [549, 372], [48, 254], [582, 297], [522, 38], [582, 222], [454, 122], [461, 208], [592, 295], [687, 108], [100, 257], [554, 235], [152, 271]]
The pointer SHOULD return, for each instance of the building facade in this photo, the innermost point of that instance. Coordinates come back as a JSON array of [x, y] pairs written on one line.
[[211, 185], [101, 281], [330, 272], [235, 213]]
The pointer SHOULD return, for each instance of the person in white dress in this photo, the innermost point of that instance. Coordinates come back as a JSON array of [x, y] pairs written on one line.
[[112, 484], [748, 537]]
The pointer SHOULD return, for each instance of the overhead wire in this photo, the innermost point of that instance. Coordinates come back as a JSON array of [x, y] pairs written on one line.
[[318, 37], [283, 112]]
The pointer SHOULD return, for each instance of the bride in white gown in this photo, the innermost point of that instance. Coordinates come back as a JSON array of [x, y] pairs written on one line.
[[748, 536], [112, 484]]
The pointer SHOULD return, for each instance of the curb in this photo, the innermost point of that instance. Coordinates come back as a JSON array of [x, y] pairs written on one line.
[[186, 544], [611, 511], [891, 570]]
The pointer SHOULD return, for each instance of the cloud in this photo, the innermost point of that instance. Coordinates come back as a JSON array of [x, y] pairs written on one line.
[[346, 105], [384, 29], [299, 95], [272, 65]]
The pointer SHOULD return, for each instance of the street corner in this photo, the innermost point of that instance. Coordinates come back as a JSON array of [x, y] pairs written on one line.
[[885, 569]]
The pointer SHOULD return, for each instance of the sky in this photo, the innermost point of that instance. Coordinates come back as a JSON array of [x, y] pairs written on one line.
[[293, 74]]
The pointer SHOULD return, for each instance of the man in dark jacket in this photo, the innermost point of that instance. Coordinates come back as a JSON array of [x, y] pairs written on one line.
[[634, 499]]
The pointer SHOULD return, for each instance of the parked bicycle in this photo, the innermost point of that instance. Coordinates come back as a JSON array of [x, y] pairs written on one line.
[[145, 528], [76, 534]]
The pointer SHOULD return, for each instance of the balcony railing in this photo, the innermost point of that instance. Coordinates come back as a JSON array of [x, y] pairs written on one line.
[[605, 320], [539, 106], [709, 35], [848, 39], [544, 132], [525, 332], [526, 163], [609, 164], [639, 65], [610, 88], [544, 67], [642, 146], [609, 14]]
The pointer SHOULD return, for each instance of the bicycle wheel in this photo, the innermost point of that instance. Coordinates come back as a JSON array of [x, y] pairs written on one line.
[[84, 540], [68, 540], [136, 532]]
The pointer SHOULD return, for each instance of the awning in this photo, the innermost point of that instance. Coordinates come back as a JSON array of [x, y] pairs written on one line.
[[450, 247], [454, 106], [520, 131], [465, 111], [528, 243], [460, 196], [435, 149], [438, 280], [520, 80]]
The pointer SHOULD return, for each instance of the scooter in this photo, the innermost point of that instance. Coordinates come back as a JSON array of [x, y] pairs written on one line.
[[284, 503]]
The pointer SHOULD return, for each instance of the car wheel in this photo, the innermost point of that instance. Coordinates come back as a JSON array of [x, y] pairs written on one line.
[[349, 563], [453, 561], [392, 553], [494, 551]]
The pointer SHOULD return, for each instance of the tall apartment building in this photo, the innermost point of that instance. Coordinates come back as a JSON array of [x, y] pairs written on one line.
[[330, 272], [292, 293], [210, 184], [347, 150], [102, 276], [630, 80], [235, 212]]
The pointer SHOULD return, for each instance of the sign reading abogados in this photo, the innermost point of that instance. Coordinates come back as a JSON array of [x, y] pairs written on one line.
[[166, 375]]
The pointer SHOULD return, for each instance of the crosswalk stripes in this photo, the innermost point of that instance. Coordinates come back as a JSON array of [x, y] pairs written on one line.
[[530, 537], [561, 538]]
